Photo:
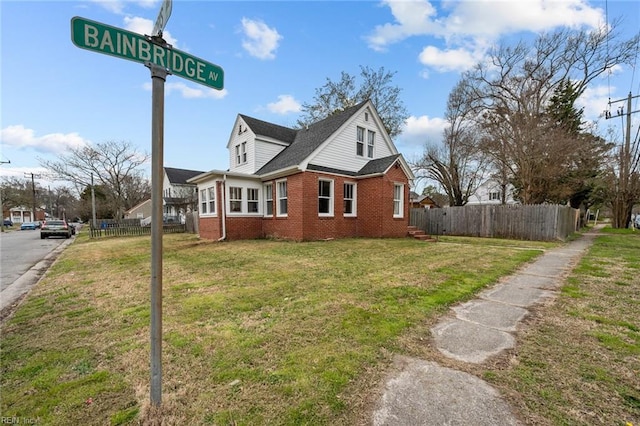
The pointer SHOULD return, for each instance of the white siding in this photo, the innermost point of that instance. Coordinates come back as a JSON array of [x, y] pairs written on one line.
[[340, 152], [481, 196], [265, 151], [247, 137]]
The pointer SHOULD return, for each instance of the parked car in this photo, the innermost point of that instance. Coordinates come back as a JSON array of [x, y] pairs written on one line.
[[55, 228], [30, 225], [7, 222]]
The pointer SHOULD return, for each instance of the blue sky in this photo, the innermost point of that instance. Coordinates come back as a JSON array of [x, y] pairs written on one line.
[[56, 96]]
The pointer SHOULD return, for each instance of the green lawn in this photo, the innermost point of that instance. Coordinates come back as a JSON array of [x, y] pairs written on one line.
[[272, 332], [254, 332]]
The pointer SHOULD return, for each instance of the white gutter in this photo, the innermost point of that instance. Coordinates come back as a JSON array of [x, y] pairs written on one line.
[[224, 208]]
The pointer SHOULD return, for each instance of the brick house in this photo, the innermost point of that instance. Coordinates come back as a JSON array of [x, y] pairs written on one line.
[[339, 177]]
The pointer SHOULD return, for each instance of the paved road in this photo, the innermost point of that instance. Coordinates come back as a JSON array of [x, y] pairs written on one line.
[[19, 251], [24, 257]]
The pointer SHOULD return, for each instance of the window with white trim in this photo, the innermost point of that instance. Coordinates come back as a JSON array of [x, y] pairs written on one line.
[[398, 200], [243, 151], [371, 139], [235, 199], [211, 196], [360, 141], [268, 199], [325, 197], [203, 201], [349, 199], [208, 200], [494, 196], [283, 207], [238, 158], [252, 200]]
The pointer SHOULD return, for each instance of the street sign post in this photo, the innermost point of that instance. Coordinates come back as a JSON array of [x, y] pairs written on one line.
[[162, 60], [163, 17], [135, 47]]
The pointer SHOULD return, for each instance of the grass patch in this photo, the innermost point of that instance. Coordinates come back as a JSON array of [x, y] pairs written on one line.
[[254, 332], [579, 363]]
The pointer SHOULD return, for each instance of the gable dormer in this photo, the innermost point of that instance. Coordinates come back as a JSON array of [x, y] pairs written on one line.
[[253, 143]]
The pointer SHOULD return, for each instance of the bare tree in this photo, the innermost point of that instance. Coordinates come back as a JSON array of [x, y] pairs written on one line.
[[113, 165], [458, 165], [338, 95], [513, 91]]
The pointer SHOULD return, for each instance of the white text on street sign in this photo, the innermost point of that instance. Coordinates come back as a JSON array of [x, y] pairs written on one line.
[[163, 17], [125, 44]]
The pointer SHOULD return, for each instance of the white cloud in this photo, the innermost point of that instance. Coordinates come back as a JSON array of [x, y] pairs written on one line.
[[417, 131], [145, 26], [190, 92], [412, 18], [448, 60], [20, 137], [467, 28], [284, 105], [260, 40], [595, 100]]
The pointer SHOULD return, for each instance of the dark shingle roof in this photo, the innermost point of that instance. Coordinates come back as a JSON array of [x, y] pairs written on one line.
[[378, 165], [262, 128], [308, 140], [180, 176]]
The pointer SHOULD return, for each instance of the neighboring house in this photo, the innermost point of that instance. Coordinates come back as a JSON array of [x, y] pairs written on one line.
[[23, 214], [141, 211], [490, 192], [422, 201], [340, 177], [178, 197]]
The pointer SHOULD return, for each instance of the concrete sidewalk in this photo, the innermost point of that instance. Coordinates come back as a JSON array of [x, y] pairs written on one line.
[[425, 393]]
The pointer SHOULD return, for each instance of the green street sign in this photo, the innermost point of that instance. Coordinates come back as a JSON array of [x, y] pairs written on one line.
[[125, 44]]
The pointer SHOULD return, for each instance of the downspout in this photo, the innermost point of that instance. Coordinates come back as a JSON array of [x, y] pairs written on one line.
[[224, 209]]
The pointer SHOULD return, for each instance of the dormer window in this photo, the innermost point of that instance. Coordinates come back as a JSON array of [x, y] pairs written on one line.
[[240, 128], [366, 116], [241, 153]]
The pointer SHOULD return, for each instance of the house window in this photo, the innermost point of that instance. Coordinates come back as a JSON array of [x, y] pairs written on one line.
[[203, 202], [398, 200], [235, 199], [208, 200], [211, 195], [252, 200], [349, 199], [325, 197], [241, 153], [366, 116], [371, 138], [282, 198], [268, 199], [360, 141], [494, 196]]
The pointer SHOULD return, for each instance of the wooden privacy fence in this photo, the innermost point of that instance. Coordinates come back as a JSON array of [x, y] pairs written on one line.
[[128, 227], [523, 222]]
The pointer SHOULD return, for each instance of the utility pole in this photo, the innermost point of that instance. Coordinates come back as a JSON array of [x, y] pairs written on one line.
[[624, 197], [33, 190], [1, 207], [94, 222]]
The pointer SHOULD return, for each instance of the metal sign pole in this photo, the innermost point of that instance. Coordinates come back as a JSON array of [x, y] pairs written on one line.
[[158, 78]]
